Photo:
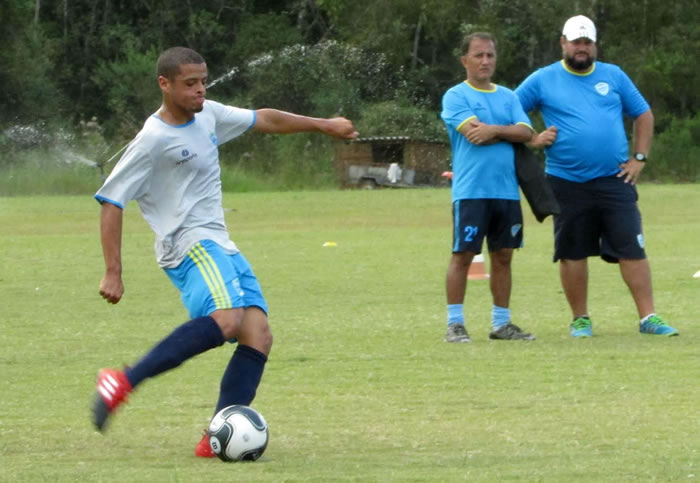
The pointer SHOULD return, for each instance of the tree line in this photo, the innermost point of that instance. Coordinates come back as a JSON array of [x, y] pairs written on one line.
[[383, 63]]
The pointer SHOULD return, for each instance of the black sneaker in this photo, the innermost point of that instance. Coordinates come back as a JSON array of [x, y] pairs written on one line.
[[510, 331], [457, 333]]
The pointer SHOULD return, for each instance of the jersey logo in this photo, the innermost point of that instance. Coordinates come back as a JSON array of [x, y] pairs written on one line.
[[186, 157], [603, 88], [213, 138], [515, 229], [237, 287]]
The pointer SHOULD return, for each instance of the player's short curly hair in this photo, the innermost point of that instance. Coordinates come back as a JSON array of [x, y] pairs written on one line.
[[170, 60], [467, 40]]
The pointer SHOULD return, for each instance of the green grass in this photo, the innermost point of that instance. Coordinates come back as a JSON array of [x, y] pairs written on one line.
[[289, 163], [45, 172], [359, 385]]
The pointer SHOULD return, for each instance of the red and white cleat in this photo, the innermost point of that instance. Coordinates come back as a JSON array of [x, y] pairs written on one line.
[[113, 388]]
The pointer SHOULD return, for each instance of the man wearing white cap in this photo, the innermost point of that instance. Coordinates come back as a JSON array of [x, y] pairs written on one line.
[[592, 171]]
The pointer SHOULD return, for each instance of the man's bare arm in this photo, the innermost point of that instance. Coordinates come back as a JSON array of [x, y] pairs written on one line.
[[280, 122], [643, 130], [111, 286]]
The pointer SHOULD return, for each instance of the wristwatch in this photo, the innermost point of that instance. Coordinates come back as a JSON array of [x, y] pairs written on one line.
[[640, 157]]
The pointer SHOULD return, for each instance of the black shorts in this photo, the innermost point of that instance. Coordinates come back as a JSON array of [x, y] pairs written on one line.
[[500, 221], [598, 217]]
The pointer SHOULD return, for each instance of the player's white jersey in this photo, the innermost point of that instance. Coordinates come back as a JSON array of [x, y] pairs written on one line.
[[173, 173]]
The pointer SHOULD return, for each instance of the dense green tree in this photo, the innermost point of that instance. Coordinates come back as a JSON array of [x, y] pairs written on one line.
[[28, 92], [70, 60]]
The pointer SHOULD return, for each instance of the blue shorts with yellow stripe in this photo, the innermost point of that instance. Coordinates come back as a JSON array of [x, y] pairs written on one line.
[[210, 279]]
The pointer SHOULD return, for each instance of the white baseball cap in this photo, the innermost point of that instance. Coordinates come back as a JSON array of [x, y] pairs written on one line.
[[579, 27]]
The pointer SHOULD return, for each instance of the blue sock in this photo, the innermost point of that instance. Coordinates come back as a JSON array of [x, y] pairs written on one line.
[[191, 338], [455, 314], [500, 316], [241, 378]]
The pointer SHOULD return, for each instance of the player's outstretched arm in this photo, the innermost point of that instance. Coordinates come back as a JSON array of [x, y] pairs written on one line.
[[111, 286], [279, 122]]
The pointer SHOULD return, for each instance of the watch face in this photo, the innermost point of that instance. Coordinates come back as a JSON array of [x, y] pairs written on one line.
[[640, 157]]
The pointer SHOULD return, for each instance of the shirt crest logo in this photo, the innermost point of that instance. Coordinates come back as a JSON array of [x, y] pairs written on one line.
[[186, 157], [213, 138], [603, 88]]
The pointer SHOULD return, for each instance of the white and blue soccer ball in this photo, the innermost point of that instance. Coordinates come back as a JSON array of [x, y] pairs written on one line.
[[238, 433]]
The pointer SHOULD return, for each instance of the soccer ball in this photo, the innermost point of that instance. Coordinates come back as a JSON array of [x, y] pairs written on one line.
[[238, 433]]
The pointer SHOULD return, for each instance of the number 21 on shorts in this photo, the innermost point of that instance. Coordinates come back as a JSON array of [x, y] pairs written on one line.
[[470, 232]]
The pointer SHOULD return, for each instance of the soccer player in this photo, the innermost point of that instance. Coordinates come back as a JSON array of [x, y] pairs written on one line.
[[592, 172], [482, 120], [172, 170]]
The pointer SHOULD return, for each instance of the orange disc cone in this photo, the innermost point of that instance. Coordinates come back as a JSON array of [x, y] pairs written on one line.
[[477, 270]]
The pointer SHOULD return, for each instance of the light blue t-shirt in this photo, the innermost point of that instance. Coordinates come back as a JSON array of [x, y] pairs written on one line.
[[587, 111], [480, 172]]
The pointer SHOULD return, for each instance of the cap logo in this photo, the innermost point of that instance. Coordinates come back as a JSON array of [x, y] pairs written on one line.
[[579, 27], [603, 88]]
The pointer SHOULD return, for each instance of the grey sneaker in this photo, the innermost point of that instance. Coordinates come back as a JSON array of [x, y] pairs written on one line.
[[457, 333], [510, 331]]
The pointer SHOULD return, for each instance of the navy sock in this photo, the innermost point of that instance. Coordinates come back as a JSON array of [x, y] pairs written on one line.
[[191, 338], [241, 378]]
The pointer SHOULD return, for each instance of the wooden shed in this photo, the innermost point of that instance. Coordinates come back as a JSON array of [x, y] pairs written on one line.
[[368, 161]]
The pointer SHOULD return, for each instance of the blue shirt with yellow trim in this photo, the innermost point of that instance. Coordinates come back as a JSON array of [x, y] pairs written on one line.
[[587, 110], [488, 171]]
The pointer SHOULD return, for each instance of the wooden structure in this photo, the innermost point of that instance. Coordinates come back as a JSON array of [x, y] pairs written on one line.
[[366, 162]]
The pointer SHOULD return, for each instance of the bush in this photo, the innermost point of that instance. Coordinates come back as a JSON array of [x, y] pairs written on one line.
[[283, 162], [399, 118], [129, 88], [675, 155], [326, 79]]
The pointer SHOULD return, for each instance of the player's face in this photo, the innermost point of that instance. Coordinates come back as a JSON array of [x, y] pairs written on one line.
[[480, 60], [186, 91], [579, 54]]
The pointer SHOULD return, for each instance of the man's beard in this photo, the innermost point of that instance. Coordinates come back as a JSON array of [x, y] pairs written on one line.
[[579, 64]]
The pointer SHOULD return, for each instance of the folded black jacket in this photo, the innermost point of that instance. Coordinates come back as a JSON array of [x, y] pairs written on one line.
[[534, 184]]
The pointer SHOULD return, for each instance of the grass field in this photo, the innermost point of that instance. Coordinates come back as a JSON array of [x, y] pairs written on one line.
[[359, 385]]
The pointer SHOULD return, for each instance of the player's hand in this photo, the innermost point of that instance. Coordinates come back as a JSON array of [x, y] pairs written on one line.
[[631, 170], [479, 133], [544, 139], [111, 288], [339, 127]]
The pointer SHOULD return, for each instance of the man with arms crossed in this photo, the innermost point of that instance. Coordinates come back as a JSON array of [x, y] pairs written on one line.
[[591, 171], [482, 120], [172, 170]]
